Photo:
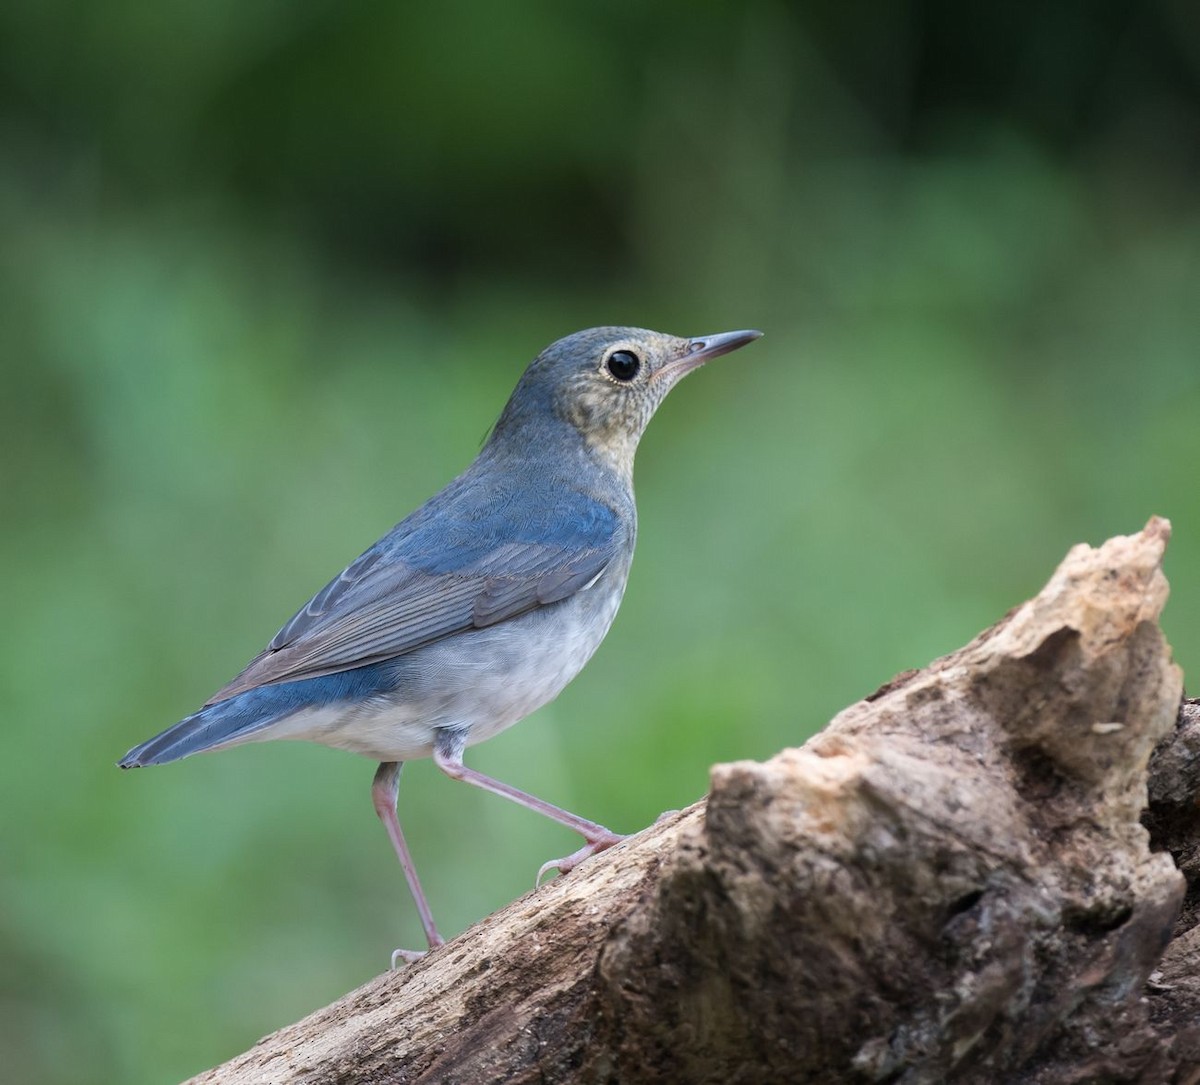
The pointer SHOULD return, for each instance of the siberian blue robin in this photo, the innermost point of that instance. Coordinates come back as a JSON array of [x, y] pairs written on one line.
[[480, 606]]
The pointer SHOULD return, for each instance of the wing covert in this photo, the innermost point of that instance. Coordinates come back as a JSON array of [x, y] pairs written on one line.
[[406, 592]]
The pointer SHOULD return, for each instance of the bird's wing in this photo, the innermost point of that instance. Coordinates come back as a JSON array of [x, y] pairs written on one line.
[[434, 576]]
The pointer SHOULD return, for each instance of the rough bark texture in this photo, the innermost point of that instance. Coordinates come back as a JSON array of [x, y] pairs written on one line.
[[950, 883]]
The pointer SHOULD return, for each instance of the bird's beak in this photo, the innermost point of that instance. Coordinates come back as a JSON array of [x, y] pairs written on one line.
[[704, 347]]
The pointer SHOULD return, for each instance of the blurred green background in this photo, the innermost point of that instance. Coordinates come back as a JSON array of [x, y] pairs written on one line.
[[268, 271]]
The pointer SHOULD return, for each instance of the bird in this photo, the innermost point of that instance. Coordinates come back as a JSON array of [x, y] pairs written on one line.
[[479, 607]]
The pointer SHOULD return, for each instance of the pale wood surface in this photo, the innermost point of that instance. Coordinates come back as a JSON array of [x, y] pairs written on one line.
[[950, 883]]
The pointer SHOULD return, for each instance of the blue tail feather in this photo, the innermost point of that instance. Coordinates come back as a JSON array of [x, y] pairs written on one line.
[[243, 715], [215, 725]]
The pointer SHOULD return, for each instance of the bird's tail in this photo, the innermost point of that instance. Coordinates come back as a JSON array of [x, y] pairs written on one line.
[[225, 723]]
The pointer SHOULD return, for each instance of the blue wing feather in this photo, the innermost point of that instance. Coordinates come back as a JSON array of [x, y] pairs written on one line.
[[470, 557]]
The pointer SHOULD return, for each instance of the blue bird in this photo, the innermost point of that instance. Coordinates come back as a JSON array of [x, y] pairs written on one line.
[[480, 606]]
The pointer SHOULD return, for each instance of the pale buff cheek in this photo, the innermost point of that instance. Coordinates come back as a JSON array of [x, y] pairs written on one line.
[[611, 422]]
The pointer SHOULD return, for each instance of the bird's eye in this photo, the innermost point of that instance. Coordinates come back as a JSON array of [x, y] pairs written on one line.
[[623, 365]]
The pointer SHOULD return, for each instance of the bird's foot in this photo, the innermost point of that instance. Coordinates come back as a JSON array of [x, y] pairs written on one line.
[[406, 956], [569, 862], [411, 956]]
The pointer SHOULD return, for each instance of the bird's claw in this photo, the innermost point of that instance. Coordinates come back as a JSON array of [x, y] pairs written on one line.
[[569, 862], [408, 956], [411, 956]]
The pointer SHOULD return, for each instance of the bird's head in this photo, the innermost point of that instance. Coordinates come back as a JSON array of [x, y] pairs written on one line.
[[608, 382]]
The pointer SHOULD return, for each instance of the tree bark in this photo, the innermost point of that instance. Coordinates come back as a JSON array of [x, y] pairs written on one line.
[[952, 882]]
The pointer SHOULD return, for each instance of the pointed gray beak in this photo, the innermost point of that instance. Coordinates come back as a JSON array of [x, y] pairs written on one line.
[[704, 347], [713, 346]]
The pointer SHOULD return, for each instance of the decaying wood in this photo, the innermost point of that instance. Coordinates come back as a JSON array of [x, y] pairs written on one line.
[[950, 883]]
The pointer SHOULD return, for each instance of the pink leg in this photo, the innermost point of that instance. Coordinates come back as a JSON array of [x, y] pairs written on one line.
[[597, 836], [384, 790]]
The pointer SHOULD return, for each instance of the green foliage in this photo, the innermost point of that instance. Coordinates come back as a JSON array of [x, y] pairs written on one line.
[[267, 274]]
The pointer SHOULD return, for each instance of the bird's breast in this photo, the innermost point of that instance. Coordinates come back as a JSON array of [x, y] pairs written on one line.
[[517, 667], [479, 682]]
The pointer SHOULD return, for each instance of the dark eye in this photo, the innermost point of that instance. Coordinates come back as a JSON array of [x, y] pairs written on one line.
[[623, 365]]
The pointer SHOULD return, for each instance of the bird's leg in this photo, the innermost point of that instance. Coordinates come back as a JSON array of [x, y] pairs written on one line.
[[384, 790], [448, 756]]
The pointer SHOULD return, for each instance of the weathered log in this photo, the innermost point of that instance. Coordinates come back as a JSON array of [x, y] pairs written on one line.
[[949, 883]]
